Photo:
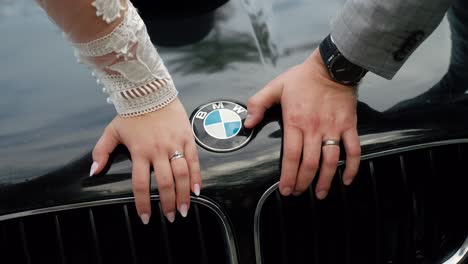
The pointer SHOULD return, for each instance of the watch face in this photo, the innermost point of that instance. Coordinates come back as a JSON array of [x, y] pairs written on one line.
[[344, 71]]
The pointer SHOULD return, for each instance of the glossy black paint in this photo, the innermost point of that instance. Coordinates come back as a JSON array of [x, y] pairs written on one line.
[[52, 115]]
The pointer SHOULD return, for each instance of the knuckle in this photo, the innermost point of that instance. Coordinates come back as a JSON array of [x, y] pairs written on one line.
[[295, 118], [136, 148], [347, 122], [310, 164], [188, 137], [165, 183], [330, 162], [192, 158], [252, 102], [328, 119], [182, 174], [291, 153], [313, 123], [156, 148], [354, 151], [139, 187]]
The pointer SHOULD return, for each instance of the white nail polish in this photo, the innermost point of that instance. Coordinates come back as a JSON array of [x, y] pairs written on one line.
[[171, 217], [94, 167], [145, 218], [183, 210], [196, 189]]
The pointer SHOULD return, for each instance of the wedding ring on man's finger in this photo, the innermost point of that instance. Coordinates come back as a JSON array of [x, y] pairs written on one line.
[[330, 142], [177, 155]]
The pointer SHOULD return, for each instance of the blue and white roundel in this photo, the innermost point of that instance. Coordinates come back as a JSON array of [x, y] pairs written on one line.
[[217, 126], [222, 124]]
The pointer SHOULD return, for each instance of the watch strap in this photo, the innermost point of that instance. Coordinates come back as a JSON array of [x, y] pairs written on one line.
[[328, 50]]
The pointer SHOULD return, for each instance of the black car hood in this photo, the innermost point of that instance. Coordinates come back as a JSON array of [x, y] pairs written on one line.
[[52, 111]]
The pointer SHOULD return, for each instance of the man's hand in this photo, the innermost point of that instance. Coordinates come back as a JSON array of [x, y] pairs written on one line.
[[315, 108]]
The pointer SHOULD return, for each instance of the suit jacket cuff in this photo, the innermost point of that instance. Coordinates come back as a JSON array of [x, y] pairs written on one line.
[[380, 35]]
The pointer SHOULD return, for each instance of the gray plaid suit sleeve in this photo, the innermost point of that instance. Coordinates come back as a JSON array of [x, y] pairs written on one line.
[[380, 35]]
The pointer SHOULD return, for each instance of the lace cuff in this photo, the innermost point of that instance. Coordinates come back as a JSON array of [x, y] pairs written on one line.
[[127, 63]]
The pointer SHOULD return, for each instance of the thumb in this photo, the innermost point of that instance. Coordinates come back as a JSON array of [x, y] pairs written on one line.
[[105, 145], [261, 101]]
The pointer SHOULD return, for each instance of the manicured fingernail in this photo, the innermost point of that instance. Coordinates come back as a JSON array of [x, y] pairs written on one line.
[[248, 118], [196, 189], [347, 181], [170, 217], [94, 167], [145, 218], [183, 209], [286, 191], [321, 195]]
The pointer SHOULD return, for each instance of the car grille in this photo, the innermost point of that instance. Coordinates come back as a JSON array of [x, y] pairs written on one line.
[[113, 233], [405, 207]]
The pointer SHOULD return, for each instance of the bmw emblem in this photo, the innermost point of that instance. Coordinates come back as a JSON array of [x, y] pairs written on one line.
[[218, 126]]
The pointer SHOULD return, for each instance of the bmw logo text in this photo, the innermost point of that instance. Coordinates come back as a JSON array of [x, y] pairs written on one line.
[[218, 126]]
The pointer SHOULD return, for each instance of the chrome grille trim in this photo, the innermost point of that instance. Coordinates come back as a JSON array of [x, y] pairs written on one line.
[[460, 255], [59, 238], [456, 258], [128, 226], [95, 241], [412, 147], [228, 233], [24, 242]]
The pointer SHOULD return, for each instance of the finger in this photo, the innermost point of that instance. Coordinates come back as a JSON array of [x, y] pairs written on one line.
[[353, 155], [191, 156], [104, 147], [330, 156], [182, 184], [309, 164], [165, 182], [141, 188], [292, 149], [261, 101]]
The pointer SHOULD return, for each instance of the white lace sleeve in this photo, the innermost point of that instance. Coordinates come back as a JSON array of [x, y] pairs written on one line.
[[129, 66]]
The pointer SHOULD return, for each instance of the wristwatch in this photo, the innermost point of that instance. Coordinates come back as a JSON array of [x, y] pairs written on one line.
[[340, 69]]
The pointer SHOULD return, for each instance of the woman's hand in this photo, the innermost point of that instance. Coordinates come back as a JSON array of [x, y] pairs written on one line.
[[152, 139], [315, 108]]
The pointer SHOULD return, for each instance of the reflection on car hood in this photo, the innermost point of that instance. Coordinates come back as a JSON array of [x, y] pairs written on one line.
[[52, 111]]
